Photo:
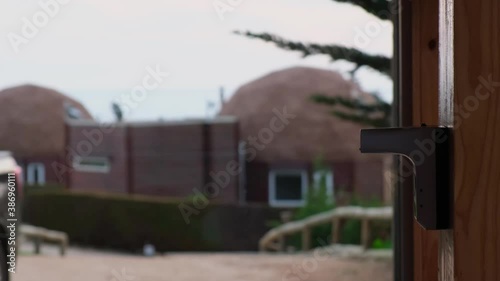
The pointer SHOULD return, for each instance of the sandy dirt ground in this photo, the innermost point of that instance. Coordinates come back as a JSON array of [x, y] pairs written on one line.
[[196, 266]]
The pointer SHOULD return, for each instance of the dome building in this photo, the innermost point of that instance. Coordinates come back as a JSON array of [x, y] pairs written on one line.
[[33, 120], [280, 155]]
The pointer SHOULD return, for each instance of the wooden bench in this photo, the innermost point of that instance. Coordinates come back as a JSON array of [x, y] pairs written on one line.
[[40, 234]]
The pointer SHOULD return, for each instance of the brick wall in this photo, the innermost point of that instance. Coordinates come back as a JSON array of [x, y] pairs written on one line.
[[171, 159], [223, 154], [100, 142], [166, 159], [369, 179], [52, 174]]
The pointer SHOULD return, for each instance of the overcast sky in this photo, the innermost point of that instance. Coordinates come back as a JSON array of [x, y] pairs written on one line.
[[97, 50]]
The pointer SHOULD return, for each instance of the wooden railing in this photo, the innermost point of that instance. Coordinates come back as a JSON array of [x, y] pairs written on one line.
[[40, 234], [274, 239]]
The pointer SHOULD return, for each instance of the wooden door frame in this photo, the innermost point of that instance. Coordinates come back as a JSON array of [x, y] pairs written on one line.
[[416, 88], [456, 64], [402, 112]]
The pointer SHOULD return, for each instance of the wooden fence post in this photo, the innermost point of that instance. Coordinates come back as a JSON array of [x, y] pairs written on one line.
[[336, 230], [281, 244], [306, 239], [365, 233]]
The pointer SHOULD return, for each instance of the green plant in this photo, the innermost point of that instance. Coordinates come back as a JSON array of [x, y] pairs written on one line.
[[126, 222], [351, 229], [379, 243], [317, 201], [27, 189], [351, 232]]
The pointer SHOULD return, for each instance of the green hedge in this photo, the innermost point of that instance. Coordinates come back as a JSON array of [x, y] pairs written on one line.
[[127, 223]]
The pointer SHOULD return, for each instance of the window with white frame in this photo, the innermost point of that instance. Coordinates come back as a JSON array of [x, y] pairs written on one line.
[[287, 188], [324, 177], [91, 164], [35, 174]]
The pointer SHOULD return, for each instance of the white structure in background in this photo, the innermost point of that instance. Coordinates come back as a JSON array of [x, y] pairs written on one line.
[[35, 174], [149, 250]]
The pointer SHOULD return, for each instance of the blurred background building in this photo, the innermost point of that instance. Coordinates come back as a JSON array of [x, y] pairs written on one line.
[[57, 142], [33, 122]]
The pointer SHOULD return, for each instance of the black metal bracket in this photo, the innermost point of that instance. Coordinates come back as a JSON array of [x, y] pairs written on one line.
[[430, 150]]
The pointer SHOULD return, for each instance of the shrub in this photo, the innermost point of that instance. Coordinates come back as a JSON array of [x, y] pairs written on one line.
[[126, 223], [27, 189], [381, 244], [351, 230], [318, 200]]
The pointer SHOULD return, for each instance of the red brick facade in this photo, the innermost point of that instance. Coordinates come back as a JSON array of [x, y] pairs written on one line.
[[165, 159], [179, 159], [95, 141]]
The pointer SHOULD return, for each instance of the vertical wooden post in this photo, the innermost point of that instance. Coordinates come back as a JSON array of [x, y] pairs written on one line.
[[64, 246], [470, 102], [37, 242], [306, 239], [281, 244], [425, 93], [365, 233], [336, 231]]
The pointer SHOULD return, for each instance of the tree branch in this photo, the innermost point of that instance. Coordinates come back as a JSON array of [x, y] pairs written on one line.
[[375, 114], [355, 104], [336, 52], [382, 9], [362, 119]]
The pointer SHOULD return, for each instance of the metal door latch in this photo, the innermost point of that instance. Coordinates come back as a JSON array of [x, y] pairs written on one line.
[[430, 150]]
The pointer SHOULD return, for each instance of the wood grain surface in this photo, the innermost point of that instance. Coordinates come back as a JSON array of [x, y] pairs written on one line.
[[425, 35], [470, 69]]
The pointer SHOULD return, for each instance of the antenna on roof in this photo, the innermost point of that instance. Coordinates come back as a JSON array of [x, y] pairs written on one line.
[[209, 106], [117, 111]]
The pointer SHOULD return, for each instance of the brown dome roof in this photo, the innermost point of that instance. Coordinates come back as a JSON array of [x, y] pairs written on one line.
[[32, 120], [314, 131]]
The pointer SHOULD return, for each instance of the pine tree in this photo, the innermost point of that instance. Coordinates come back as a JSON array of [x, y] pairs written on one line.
[[375, 114]]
